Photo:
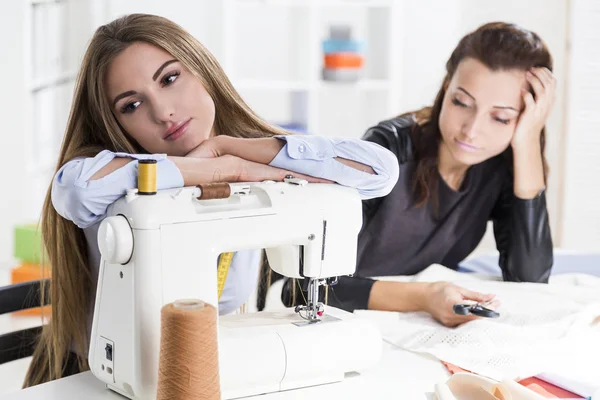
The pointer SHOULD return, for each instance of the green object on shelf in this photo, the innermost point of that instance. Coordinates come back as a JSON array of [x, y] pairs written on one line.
[[28, 244]]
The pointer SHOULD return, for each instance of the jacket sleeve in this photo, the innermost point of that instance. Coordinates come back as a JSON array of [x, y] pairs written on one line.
[[394, 135], [523, 236]]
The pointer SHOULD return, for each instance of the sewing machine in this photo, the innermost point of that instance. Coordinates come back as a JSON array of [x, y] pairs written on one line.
[[161, 247]]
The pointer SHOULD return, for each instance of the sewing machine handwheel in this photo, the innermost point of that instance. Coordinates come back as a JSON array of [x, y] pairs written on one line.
[[115, 240]]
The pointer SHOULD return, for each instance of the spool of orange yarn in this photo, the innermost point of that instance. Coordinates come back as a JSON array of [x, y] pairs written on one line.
[[188, 368]]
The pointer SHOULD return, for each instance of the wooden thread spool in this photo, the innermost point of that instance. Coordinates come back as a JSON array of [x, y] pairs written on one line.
[[188, 368], [214, 191]]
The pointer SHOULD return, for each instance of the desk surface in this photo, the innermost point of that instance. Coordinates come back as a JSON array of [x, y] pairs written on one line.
[[398, 375]]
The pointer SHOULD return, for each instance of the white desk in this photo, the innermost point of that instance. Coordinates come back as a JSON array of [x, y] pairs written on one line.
[[398, 375]]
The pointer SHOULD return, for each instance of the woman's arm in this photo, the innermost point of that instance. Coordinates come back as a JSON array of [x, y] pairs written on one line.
[[528, 170], [526, 144], [523, 236], [83, 188], [229, 168], [196, 171], [264, 150], [369, 167], [435, 298], [520, 216]]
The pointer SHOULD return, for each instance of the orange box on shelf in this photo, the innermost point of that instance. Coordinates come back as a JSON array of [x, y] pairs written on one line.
[[343, 60], [27, 273]]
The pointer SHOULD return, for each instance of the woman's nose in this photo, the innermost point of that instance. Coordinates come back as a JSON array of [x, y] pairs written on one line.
[[163, 111], [472, 127]]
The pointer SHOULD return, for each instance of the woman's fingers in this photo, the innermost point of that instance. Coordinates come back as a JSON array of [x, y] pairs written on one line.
[[257, 172], [536, 84], [546, 76], [476, 296]]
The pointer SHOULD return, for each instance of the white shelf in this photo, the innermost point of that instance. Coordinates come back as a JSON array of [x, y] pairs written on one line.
[[315, 3], [356, 3], [295, 91], [43, 2], [271, 85], [262, 3], [363, 84], [51, 81], [298, 86]]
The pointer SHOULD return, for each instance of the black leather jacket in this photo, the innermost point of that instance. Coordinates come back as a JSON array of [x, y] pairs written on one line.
[[521, 227]]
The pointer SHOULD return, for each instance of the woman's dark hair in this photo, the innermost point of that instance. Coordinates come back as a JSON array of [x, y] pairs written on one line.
[[498, 46]]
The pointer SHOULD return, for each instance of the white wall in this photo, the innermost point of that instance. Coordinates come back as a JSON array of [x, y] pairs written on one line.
[[15, 122], [423, 56], [581, 187], [35, 100], [425, 53]]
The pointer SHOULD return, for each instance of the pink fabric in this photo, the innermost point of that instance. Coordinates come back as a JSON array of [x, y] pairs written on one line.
[[537, 385]]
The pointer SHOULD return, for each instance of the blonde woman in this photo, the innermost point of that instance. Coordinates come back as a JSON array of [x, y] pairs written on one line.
[[148, 89]]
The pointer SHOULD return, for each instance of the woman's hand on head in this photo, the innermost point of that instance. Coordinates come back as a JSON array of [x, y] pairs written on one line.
[[536, 111], [442, 296]]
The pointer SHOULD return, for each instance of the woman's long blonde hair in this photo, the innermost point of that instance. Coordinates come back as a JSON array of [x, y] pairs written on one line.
[[92, 128]]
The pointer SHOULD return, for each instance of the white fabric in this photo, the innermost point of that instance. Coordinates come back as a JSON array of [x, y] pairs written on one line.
[[540, 327]]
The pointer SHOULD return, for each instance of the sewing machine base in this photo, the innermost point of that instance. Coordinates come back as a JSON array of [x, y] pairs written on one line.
[[268, 352]]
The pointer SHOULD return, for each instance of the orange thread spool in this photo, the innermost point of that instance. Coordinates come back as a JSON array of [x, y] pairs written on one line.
[[188, 367], [343, 60]]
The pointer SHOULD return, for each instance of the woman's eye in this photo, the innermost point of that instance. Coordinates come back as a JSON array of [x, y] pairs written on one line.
[[170, 78], [503, 121], [459, 103], [130, 107]]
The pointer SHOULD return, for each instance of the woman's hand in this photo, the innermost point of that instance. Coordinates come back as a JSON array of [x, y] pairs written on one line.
[[441, 297], [228, 168], [237, 169], [210, 148], [536, 111], [529, 175], [250, 171]]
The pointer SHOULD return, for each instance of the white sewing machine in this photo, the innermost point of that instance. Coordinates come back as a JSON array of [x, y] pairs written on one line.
[[159, 248]]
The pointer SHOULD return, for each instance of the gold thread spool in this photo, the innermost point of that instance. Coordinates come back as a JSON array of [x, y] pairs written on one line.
[[214, 191], [147, 177], [188, 368]]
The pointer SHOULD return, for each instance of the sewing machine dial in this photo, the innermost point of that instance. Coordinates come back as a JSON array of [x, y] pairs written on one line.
[[115, 240]]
